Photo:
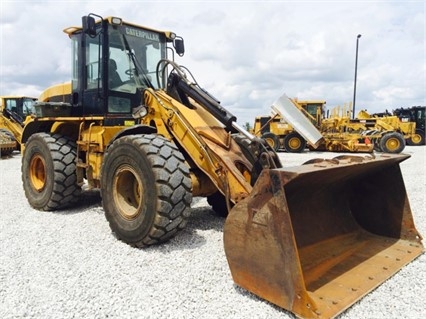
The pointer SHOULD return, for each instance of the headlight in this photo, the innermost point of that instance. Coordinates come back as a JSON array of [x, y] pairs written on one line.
[[116, 21], [139, 112]]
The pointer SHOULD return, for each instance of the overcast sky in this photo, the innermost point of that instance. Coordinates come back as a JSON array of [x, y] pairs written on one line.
[[245, 53]]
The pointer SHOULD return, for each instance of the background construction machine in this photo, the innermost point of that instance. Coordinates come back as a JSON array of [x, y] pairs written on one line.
[[7, 144], [383, 136], [382, 132], [411, 123], [414, 114], [386, 126], [13, 111], [151, 138], [279, 132]]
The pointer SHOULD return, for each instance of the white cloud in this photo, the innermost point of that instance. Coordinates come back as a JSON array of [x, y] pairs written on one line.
[[245, 53]]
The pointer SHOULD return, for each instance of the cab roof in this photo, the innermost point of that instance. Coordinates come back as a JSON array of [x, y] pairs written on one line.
[[73, 29]]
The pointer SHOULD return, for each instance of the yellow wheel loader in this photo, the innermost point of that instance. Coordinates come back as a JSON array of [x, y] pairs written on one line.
[[13, 112], [312, 239]]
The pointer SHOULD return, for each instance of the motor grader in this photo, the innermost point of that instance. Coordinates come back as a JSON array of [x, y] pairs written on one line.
[[385, 136], [311, 239]]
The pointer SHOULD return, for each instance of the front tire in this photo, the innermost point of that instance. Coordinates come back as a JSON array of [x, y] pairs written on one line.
[[49, 172], [218, 203], [146, 189], [294, 143], [392, 142]]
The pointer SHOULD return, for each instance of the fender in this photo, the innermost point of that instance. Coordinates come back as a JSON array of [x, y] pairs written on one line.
[[35, 127], [133, 130]]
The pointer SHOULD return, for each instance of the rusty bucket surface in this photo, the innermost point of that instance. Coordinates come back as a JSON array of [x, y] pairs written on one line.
[[316, 238]]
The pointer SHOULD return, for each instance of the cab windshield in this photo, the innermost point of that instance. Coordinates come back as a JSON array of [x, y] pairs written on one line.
[[124, 60], [20, 108], [133, 57]]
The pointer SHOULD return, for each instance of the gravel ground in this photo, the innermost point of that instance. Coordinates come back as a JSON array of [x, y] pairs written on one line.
[[67, 264]]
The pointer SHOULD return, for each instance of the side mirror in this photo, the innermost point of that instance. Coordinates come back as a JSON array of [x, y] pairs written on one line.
[[89, 25], [179, 46]]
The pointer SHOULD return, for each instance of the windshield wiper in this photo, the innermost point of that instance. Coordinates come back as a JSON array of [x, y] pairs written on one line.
[[139, 71]]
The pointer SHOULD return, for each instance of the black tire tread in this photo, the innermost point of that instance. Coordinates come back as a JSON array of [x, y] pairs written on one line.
[[63, 153], [173, 184]]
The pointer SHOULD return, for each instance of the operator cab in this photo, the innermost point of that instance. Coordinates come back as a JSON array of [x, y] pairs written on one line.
[[18, 108], [113, 63]]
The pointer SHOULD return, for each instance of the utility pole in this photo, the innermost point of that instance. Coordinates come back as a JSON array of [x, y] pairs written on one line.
[[356, 67]]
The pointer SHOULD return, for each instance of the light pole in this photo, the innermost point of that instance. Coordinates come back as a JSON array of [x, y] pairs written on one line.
[[356, 67]]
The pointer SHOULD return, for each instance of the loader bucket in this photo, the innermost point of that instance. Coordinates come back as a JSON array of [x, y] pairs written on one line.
[[316, 238]]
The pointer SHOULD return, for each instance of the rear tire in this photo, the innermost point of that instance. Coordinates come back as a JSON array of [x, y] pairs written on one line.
[[392, 142], [294, 143], [417, 139], [49, 172], [146, 189]]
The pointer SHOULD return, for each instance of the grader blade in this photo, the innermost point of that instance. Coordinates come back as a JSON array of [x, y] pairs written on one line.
[[316, 238]]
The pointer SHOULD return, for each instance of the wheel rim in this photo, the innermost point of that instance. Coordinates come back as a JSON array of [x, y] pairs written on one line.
[[127, 192], [416, 138], [271, 142], [38, 173], [294, 143], [392, 144]]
